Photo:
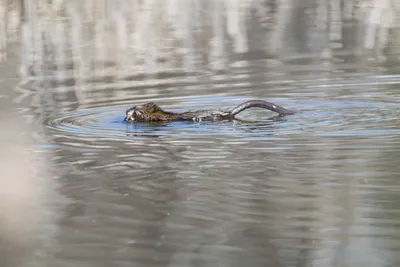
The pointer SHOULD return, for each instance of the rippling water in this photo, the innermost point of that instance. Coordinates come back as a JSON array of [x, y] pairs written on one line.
[[81, 187]]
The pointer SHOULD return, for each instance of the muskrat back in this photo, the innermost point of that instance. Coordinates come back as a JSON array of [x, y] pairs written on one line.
[[151, 112]]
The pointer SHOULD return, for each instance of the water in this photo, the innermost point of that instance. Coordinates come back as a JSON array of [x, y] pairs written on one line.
[[80, 187]]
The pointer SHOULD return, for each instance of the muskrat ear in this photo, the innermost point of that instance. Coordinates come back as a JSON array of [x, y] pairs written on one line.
[[151, 106]]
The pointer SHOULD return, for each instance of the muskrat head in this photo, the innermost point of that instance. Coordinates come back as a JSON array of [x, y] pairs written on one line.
[[142, 113]]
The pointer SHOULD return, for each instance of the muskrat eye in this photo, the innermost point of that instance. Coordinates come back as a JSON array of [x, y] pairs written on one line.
[[129, 110]]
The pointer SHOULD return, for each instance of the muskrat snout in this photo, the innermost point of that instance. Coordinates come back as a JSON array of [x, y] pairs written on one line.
[[129, 119], [129, 114], [133, 114]]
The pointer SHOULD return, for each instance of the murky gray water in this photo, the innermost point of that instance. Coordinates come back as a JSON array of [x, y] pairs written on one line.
[[79, 187]]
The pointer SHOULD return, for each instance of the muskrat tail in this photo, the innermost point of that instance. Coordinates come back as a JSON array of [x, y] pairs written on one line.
[[261, 104]]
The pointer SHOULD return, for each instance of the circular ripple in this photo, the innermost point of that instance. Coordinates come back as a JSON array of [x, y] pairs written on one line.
[[90, 122], [323, 118], [108, 123]]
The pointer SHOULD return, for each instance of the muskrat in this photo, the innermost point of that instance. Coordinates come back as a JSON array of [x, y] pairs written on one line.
[[151, 112]]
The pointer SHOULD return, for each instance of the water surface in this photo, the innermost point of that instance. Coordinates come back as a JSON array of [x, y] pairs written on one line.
[[318, 188]]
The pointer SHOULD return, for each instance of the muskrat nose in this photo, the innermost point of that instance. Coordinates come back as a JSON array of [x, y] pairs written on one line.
[[129, 119]]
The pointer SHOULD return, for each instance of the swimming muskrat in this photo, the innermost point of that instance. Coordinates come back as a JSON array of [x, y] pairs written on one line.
[[151, 112]]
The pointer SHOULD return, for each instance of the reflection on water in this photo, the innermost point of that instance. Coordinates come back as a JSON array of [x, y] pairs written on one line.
[[318, 188], [29, 201]]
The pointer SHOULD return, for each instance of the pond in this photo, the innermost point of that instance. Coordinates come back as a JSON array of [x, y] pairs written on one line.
[[81, 187]]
